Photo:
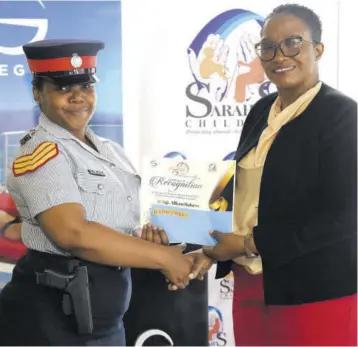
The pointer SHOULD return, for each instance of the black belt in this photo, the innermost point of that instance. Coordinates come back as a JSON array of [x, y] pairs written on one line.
[[59, 263]]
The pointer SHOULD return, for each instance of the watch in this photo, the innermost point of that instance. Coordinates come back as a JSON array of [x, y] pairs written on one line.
[[248, 253], [17, 219]]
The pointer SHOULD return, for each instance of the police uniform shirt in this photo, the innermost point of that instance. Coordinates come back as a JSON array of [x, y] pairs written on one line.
[[53, 168]]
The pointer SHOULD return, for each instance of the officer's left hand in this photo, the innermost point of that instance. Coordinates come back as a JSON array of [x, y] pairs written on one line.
[[154, 234], [13, 232], [5, 218]]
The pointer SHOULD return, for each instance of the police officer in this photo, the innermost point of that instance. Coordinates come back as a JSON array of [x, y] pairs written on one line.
[[77, 195]]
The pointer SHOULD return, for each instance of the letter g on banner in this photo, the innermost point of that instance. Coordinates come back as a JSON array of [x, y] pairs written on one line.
[[142, 338], [40, 24]]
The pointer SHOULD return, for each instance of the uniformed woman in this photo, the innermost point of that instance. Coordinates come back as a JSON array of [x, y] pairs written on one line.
[[77, 195]]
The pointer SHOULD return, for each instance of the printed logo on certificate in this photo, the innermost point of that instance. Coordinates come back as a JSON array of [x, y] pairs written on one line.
[[188, 198]]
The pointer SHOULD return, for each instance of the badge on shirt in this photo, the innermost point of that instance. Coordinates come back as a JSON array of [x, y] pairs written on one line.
[[41, 155], [96, 173], [27, 137]]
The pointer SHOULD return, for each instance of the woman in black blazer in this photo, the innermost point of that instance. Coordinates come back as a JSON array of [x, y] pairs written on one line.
[[295, 256]]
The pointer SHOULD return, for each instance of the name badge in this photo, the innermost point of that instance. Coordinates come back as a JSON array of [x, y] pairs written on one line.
[[96, 173]]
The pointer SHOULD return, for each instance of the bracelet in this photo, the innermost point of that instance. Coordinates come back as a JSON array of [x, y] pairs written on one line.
[[17, 219], [248, 253]]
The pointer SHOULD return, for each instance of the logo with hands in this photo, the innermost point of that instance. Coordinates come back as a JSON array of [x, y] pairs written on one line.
[[209, 68], [181, 169], [216, 326], [249, 73], [223, 60]]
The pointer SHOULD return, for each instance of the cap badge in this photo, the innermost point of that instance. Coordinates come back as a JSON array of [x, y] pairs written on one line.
[[76, 61]]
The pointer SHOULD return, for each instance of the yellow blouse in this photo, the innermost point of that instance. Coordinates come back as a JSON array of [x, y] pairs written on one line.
[[249, 172]]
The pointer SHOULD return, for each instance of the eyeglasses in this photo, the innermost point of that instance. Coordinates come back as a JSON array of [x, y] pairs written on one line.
[[290, 47]]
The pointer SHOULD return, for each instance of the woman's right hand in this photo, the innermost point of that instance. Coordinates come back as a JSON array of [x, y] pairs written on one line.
[[177, 267]]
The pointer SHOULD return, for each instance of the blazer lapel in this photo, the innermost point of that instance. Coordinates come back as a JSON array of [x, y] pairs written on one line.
[[253, 136], [245, 145]]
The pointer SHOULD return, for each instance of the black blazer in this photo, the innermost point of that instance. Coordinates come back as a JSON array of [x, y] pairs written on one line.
[[307, 223]]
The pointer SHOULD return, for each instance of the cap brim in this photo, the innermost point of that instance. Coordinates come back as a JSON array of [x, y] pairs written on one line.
[[72, 80]]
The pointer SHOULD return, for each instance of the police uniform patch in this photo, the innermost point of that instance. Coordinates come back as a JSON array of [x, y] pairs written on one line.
[[27, 137], [39, 157]]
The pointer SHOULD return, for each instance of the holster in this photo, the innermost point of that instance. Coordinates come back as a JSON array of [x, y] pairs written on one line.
[[76, 296]]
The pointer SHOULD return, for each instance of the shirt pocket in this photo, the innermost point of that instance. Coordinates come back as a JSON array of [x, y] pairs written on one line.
[[100, 185]]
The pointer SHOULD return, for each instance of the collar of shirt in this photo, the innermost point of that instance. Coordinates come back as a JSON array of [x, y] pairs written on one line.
[[61, 133], [278, 118]]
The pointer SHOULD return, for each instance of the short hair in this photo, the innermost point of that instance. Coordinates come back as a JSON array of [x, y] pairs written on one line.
[[309, 17]]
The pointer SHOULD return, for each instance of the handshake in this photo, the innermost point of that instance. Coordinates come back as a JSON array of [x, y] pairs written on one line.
[[178, 268]]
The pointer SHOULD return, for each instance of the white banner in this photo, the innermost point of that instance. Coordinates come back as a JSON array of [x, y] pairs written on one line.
[[184, 94]]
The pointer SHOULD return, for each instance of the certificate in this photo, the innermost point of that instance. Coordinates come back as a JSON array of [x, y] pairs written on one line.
[[184, 198]]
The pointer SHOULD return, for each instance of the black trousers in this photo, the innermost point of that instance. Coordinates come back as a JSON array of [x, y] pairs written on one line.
[[31, 314]]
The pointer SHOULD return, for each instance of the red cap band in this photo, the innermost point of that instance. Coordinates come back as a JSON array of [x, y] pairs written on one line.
[[61, 64]]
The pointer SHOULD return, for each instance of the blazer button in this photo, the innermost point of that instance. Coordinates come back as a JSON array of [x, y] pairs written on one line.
[[100, 186], [129, 198]]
